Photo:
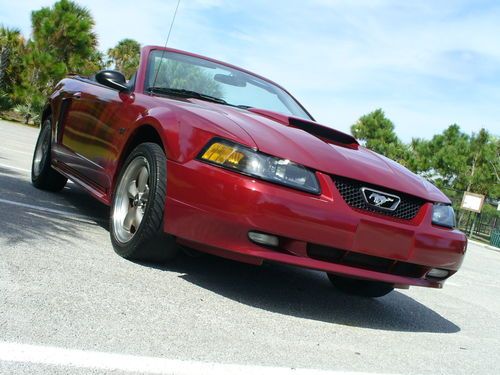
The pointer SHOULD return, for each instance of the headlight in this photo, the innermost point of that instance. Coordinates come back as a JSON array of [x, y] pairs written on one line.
[[443, 215], [244, 160]]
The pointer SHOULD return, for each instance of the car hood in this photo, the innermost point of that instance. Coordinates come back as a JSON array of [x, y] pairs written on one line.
[[326, 150]]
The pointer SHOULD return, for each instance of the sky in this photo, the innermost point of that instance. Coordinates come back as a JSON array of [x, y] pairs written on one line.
[[427, 64]]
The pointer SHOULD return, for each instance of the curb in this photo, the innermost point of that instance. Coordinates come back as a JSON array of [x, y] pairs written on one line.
[[484, 245]]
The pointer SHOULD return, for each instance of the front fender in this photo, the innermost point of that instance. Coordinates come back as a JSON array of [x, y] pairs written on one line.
[[184, 133]]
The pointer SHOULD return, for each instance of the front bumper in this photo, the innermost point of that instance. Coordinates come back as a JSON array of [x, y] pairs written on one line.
[[213, 210]]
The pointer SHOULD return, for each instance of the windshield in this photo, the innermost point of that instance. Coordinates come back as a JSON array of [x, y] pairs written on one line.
[[236, 88]]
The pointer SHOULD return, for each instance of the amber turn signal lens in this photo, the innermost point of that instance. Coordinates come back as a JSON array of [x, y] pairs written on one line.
[[223, 154]]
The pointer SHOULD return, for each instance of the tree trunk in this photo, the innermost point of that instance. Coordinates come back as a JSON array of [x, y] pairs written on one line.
[[469, 185]]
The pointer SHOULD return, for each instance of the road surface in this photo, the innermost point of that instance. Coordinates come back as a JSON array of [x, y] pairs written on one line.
[[70, 305]]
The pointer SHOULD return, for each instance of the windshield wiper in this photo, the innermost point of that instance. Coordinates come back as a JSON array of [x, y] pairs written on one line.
[[186, 94]]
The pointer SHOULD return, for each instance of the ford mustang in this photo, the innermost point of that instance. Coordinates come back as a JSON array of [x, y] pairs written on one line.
[[199, 153]]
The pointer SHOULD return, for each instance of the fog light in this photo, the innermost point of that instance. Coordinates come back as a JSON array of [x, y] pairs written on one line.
[[438, 273], [263, 239]]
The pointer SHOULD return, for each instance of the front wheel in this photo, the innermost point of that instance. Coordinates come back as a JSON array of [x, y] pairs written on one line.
[[136, 223], [362, 288]]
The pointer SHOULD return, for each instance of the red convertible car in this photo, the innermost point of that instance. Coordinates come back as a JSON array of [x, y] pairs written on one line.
[[204, 154]]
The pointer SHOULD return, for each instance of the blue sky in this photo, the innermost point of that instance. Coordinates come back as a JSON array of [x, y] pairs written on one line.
[[428, 64]]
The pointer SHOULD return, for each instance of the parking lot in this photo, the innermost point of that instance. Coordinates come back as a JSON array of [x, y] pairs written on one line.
[[69, 304]]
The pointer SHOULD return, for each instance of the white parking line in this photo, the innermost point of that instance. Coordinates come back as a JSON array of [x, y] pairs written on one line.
[[15, 168], [48, 355], [23, 141], [67, 214], [24, 170], [15, 150]]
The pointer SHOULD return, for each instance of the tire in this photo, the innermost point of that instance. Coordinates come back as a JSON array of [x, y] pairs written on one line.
[[361, 288], [43, 176], [136, 220]]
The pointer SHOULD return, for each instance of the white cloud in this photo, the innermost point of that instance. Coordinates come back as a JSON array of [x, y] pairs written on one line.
[[427, 64]]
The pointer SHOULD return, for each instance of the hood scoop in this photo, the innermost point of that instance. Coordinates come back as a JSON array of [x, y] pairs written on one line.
[[325, 133]]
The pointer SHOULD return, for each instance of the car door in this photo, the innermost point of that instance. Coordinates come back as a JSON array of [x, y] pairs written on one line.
[[88, 132]]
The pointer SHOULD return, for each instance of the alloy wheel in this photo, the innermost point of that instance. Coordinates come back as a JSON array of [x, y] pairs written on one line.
[[131, 199]]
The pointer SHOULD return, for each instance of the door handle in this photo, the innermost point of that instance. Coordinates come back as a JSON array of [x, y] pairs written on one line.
[[77, 95]]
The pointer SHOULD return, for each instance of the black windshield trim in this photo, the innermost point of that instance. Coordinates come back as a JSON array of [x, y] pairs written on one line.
[[185, 94]]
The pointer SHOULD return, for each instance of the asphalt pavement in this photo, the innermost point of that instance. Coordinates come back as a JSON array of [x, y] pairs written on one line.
[[70, 305]]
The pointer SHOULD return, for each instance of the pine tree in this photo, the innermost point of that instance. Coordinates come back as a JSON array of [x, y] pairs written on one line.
[[376, 132]]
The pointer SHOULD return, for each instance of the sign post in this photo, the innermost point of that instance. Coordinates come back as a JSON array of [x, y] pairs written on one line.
[[472, 202]]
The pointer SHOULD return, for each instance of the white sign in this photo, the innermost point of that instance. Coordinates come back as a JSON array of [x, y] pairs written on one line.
[[472, 202]]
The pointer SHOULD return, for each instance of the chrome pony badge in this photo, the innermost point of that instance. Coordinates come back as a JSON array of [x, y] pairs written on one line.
[[380, 199]]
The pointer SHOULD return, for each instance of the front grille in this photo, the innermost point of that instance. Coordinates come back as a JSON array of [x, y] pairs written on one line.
[[351, 192], [368, 262]]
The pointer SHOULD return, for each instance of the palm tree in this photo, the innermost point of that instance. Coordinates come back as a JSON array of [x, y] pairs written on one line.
[[125, 56]]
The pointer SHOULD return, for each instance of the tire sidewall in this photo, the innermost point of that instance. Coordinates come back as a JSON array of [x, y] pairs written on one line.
[[150, 226], [46, 159]]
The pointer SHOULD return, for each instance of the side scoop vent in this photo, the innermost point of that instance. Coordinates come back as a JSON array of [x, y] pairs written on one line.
[[323, 132]]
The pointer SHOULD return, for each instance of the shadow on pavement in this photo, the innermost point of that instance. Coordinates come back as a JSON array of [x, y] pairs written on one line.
[[307, 294], [20, 222], [276, 288]]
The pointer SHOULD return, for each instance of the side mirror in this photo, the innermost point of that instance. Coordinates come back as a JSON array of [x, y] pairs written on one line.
[[112, 79]]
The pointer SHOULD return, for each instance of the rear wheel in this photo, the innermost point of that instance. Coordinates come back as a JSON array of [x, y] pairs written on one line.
[[43, 176], [136, 223], [362, 288]]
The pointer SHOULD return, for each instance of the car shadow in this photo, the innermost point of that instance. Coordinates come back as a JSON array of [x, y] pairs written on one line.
[[306, 294], [86, 205], [275, 288], [32, 214]]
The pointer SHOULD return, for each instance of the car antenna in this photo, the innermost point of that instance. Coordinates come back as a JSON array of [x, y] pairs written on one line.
[[166, 42]]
